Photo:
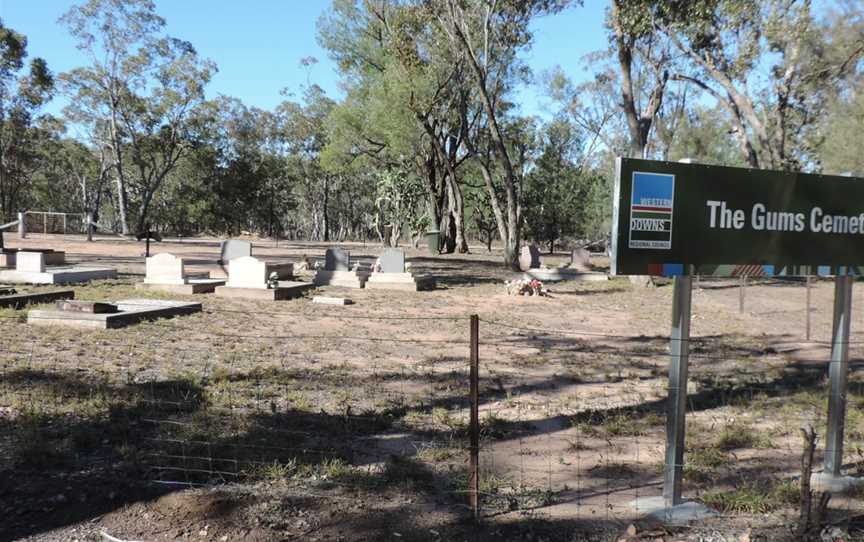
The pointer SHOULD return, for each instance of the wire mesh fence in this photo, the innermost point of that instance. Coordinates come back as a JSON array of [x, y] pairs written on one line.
[[585, 435], [574, 437], [571, 422], [319, 412], [44, 222]]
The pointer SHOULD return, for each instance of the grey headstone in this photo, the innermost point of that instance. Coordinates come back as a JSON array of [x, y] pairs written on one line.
[[393, 261], [529, 258], [580, 258], [336, 259], [234, 248]]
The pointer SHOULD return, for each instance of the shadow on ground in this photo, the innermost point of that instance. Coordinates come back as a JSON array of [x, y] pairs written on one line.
[[78, 448]]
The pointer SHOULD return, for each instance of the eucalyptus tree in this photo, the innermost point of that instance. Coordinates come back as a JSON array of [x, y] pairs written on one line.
[[838, 138], [634, 40], [402, 110], [621, 106], [772, 65], [841, 129], [72, 175], [488, 35], [302, 135], [22, 93], [233, 179], [551, 193], [135, 97], [438, 91], [703, 132]]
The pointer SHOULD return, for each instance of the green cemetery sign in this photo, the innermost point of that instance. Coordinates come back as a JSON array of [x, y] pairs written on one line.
[[723, 221]]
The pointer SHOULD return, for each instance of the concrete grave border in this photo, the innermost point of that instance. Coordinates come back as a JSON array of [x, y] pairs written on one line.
[[131, 311], [18, 301]]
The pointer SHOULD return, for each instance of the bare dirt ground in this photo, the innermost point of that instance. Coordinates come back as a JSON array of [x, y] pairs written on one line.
[[293, 421]]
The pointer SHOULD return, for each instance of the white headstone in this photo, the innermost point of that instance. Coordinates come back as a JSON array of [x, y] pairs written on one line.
[[247, 272], [164, 268], [33, 262]]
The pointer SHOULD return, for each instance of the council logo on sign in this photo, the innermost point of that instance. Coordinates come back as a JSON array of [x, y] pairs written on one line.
[[651, 210]]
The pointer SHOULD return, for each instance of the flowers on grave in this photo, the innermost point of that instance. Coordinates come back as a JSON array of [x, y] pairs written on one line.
[[304, 264], [273, 280], [531, 287]]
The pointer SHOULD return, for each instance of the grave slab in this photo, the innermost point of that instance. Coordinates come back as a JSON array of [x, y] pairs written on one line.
[[344, 279], [285, 290], [192, 286], [564, 273], [58, 275], [337, 271], [323, 300], [249, 272], [8, 256], [20, 300], [284, 270], [400, 281], [90, 307], [30, 269], [129, 311], [392, 274], [249, 278], [166, 272]]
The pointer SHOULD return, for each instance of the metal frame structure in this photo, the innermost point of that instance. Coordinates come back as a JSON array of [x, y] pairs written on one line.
[[678, 371]]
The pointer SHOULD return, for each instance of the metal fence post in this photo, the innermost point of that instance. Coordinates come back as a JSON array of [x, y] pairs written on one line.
[[89, 219], [838, 373], [742, 284], [474, 461], [22, 226], [677, 402], [807, 324]]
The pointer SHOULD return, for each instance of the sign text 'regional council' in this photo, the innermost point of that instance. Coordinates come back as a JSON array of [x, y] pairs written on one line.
[[760, 218]]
